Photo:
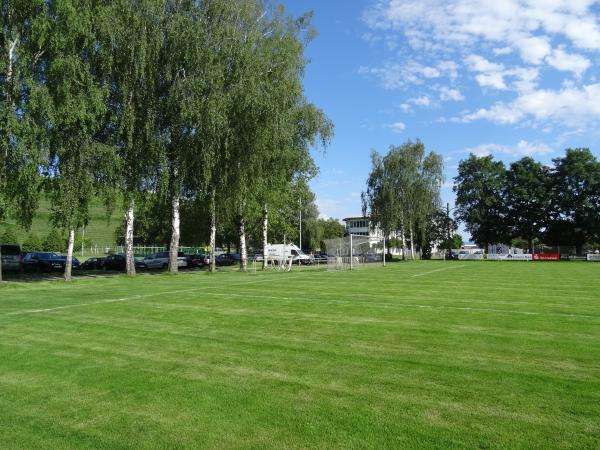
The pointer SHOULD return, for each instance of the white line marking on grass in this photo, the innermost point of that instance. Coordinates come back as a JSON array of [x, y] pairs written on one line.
[[437, 270], [140, 296]]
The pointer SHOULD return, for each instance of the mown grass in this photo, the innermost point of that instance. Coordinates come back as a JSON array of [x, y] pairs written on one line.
[[416, 355]]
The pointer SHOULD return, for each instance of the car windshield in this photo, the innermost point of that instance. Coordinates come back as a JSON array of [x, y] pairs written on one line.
[[10, 250]]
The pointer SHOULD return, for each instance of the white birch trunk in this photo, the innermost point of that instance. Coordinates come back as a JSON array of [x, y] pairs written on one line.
[[9, 71], [403, 243], [243, 248], [174, 248], [69, 261], [412, 242], [265, 228], [129, 257], [213, 231]]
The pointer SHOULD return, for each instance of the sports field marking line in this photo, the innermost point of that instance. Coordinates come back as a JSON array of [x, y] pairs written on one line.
[[436, 270], [401, 305], [137, 297]]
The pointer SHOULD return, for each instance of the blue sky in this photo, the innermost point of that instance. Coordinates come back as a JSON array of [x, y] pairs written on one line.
[[509, 78]]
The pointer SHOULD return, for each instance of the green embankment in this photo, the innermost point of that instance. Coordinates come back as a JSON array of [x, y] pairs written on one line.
[[100, 231]]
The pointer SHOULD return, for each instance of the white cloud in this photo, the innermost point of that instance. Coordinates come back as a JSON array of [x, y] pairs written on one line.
[[561, 60], [520, 48], [420, 101], [449, 94], [521, 25], [521, 149], [479, 64], [493, 80], [396, 76], [396, 127], [533, 49], [573, 106]]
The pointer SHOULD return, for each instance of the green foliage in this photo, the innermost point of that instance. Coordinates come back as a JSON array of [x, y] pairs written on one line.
[[9, 236], [479, 188], [32, 243], [456, 241], [528, 199], [54, 241], [403, 189]]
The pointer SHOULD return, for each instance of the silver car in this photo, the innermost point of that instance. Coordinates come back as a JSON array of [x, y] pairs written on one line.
[[160, 260]]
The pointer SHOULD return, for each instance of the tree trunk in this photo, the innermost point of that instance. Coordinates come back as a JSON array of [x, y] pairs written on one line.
[[403, 243], [0, 261], [265, 227], [175, 222], [412, 242], [69, 261], [243, 249], [129, 257], [213, 231], [9, 72]]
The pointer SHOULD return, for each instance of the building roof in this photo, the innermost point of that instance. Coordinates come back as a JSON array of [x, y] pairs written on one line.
[[356, 218]]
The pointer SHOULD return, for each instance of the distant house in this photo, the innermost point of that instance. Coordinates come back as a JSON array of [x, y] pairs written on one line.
[[361, 226]]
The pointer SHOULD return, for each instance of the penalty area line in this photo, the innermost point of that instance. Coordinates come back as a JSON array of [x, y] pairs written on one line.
[[141, 296], [436, 270]]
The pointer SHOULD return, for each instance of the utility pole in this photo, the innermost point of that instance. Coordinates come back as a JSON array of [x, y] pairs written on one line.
[[449, 250], [300, 201]]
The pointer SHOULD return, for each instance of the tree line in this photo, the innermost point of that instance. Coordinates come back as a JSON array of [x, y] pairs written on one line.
[[558, 205], [175, 102]]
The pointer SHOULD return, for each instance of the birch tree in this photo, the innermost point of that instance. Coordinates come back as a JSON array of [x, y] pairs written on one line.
[[80, 164], [24, 106], [130, 42]]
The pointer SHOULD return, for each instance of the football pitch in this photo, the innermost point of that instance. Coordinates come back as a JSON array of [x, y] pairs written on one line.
[[414, 355]]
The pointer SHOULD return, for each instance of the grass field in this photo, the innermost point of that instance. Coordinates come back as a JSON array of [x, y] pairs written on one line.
[[416, 355]]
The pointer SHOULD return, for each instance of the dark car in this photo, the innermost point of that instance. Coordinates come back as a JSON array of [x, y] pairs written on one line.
[[225, 259], [93, 264], [195, 260], [75, 264], [118, 263], [319, 257], [11, 257], [46, 262]]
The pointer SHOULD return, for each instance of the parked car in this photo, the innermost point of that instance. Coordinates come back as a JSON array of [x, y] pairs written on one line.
[[205, 260], [160, 260], [320, 258], [225, 259], [93, 264], [195, 260], [11, 257], [118, 262], [47, 262]]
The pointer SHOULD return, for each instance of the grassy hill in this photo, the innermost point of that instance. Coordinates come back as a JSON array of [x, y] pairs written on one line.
[[100, 231]]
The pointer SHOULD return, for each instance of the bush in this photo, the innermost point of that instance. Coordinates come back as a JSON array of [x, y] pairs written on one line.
[[54, 242], [9, 237], [32, 244]]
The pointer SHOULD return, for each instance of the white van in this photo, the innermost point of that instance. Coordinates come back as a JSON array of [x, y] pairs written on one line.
[[278, 253]]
